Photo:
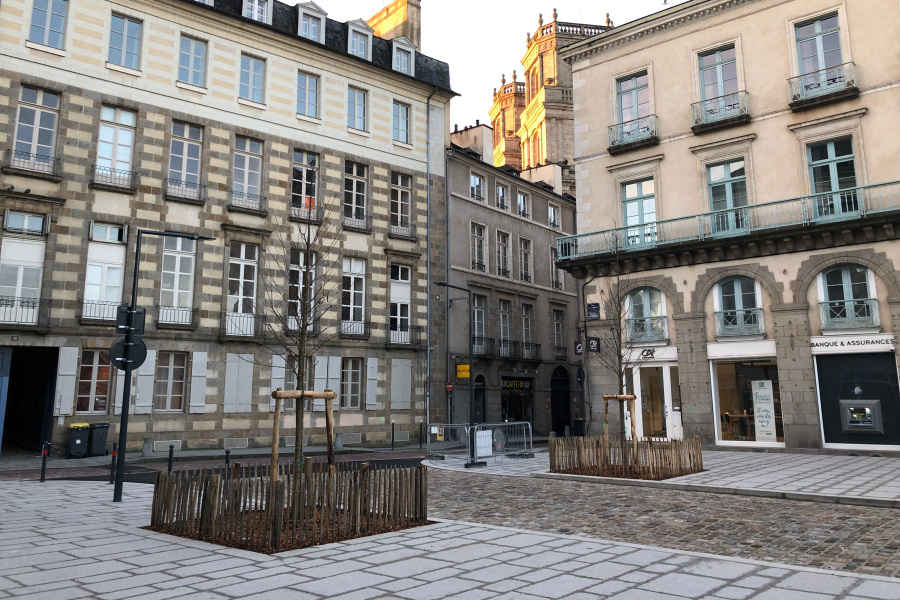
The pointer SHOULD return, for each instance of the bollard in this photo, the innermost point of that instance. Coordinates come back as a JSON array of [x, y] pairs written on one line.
[[392, 435], [420, 435], [171, 455], [45, 450], [112, 466], [227, 466]]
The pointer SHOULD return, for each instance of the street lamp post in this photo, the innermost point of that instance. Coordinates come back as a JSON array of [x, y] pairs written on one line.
[[129, 345], [472, 454]]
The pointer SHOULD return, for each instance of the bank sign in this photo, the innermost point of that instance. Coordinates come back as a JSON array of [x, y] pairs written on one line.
[[851, 344]]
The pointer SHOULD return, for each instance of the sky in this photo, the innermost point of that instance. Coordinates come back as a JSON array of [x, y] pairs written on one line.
[[483, 39]]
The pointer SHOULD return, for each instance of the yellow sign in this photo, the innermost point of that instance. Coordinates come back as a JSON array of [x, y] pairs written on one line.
[[462, 371]]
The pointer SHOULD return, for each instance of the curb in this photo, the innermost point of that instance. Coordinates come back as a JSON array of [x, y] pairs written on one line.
[[732, 491]]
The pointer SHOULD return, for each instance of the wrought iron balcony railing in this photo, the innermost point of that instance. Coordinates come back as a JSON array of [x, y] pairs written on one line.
[[402, 229], [843, 205], [482, 346], [24, 311], [477, 265], [26, 161], [509, 349], [404, 335], [185, 189], [503, 272], [648, 329], [632, 133], [531, 351], [99, 311], [817, 84], [849, 314], [748, 321], [553, 224], [308, 214], [114, 177], [176, 316], [355, 329], [476, 197], [525, 276], [557, 283], [247, 201], [716, 110], [523, 212], [560, 351], [357, 222], [502, 205], [244, 325]]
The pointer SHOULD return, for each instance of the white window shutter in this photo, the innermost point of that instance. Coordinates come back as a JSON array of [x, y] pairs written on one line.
[[334, 379], [143, 400], [371, 383], [66, 373], [91, 230], [6, 218], [47, 223], [120, 387], [401, 369], [245, 383], [278, 373], [198, 383], [231, 383], [321, 380], [124, 234]]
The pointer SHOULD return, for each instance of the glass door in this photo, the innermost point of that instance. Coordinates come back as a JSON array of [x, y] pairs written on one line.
[[656, 386], [833, 175], [640, 213]]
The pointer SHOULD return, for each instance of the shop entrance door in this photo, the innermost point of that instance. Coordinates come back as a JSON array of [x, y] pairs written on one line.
[[658, 403]]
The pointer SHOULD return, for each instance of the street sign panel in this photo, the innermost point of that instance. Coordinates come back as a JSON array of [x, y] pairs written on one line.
[[594, 344], [122, 320], [462, 371], [579, 348], [449, 386], [138, 353], [593, 311]]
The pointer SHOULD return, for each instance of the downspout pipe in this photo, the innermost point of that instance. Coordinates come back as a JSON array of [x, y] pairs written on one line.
[[428, 250], [449, 155]]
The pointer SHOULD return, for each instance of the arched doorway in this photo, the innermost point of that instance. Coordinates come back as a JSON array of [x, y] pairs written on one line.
[[560, 401], [479, 400]]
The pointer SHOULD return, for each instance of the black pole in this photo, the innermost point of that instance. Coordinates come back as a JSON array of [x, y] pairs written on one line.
[[45, 450], [227, 467], [112, 465], [392, 435], [420, 435], [171, 456]]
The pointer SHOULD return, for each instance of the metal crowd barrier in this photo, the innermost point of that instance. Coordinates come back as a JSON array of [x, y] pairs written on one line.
[[497, 440]]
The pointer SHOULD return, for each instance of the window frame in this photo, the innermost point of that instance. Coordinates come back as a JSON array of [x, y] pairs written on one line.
[[633, 92], [818, 36], [505, 255], [403, 44], [523, 204], [360, 28], [307, 92], [475, 248], [557, 275], [297, 268], [270, 6], [554, 210], [185, 188], [360, 201], [192, 58], [170, 381], [176, 313], [647, 228], [39, 108], [837, 201], [307, 202], [401, 123], [504, 196], [117, 127], [526, 259], [559, 327], [248, 155], [353, 276], [400, 216], [125, 35], [96, 366], [354, 94], [718, 66], [481, 181], [251, 62], [242, 261], [352, 366], [479, 302], [46, 27]]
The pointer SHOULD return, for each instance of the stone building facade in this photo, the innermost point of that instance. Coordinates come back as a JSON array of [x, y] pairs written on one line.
[[743, 186], [249, 121], [502, 246]]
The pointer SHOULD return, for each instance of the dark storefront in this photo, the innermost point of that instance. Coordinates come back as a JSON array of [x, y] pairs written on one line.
[[517, 399]]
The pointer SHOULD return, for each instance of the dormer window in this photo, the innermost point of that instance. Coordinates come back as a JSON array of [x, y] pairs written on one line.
[[401, 61], [359, 39], [311, 22], [404, 56], [359, 44], [258, 10], [310, 27]]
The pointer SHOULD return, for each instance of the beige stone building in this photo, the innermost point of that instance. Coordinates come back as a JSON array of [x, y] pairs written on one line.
[[247, 121], [736, 164], [532, 120]]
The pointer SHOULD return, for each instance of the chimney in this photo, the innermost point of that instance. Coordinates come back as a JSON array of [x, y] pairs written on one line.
[[456, 128], [477, 123], [400, 18]]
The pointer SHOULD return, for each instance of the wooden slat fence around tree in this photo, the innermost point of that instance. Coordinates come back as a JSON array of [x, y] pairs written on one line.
[[617, 457], [242, 508]]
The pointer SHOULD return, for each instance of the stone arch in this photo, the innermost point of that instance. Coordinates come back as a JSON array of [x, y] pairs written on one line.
[[866, 257], [664, 284], [755, 271]]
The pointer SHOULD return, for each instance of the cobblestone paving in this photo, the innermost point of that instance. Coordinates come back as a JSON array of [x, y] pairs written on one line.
[[854, 539], [75, 544]]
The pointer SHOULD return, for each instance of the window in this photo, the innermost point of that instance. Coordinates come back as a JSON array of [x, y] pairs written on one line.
[[242, 266], [310, 27], [297, 284], [108, 233], [634, 101], [356, 109], [184, 161], [308, 95], [849, 299], [303, 186], [355, 176], [478, 247], [522, 204], [556, 276], [819, 50], [256, 10], [559, 330], [505, 345], [25, 223], [115, 147], [359, 44], [177, 286], [502, 193], [502, 254], [740, 314], [833, 177], [400, 299], [351, 382], [400, 204], [247, 167], [192, 61], [402, 59], [525, 260], [732, 394], [728, 196], [94, 382], [718, 74], [21, 270], [353, 297], [401, 123], [640, 212], [476, 187], [36, 130], [646, 322], [125, 43], [48, 23], [479, 343], [252, 70], [104, 280], [553, 216], [171, 376], [527, 328]]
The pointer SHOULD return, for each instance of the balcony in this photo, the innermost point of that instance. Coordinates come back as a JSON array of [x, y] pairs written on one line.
[[523, 212], [525, 276], [24, 311], [553, 224], [822, 87], [114, 179], [40, 166], [357, 222], [185, 191], [735, 323], [307, 214], [557, 283], [405, 337], [243, 202], [477, 265], [93, 310], [403, 230], [502, 205], [648, 329], [503, 272], [560, 352], [849, 314], [717, 113], [476, 197], [510, 349], [243, 325], [843, 207], [531, 351], [355, 330], [293, 324], [176, 317], [482, 346], [632, 134]]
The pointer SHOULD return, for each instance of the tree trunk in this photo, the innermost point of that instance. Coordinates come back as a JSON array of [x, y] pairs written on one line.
[[301, 378]]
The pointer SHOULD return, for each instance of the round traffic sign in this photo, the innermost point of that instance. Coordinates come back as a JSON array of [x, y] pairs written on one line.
[[449, 386], [138, 353]]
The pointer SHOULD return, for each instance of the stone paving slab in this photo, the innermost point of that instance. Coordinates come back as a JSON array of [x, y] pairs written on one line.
[[448, 561]]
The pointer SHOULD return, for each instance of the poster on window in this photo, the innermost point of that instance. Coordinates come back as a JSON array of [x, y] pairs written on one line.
[[764, 411]]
